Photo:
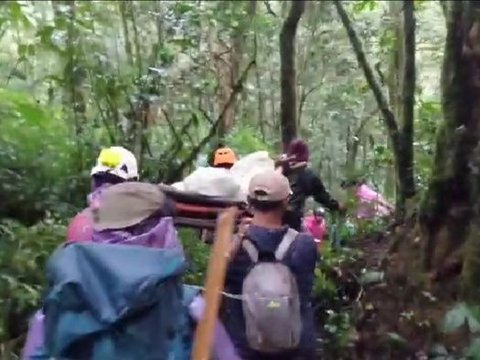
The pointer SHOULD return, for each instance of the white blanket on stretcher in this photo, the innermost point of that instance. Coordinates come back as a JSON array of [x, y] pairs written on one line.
[[233, 183]]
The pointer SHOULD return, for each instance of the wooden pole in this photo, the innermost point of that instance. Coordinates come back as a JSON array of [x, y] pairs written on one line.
[[214, 284]]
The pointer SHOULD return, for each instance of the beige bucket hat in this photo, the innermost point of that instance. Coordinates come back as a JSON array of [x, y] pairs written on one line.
[[126, 204]]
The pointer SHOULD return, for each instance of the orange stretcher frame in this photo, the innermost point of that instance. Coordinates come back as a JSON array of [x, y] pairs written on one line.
[[200, 211]]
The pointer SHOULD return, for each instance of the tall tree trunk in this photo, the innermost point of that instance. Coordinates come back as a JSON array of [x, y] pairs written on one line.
[[159, 22], [471, 269], [136, 38], [393, 86], [273, 102], [353, 142], [74, 73], [404, 166], [448, 216], [402, 93], [311, 18], [261, 102], [228, 67], [260, 92], [288, 105], [122, 6], [400, 130]]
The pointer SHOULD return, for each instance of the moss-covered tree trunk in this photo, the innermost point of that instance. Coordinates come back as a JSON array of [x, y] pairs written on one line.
[[447, 214], [404, 97]]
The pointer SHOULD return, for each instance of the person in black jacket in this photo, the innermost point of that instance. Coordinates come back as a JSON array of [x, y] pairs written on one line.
[[304, 183]]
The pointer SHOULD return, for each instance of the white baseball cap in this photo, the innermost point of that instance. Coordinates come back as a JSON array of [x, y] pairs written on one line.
[[118, 161]]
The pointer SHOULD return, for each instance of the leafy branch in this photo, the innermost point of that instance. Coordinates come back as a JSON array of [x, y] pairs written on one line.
[[176, 173]]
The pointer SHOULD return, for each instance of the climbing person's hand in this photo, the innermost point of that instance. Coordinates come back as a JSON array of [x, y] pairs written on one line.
[[244, 225], [238, 238]]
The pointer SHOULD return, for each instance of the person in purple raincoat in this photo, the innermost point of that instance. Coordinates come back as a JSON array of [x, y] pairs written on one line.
[[114, 165], [118, 166]]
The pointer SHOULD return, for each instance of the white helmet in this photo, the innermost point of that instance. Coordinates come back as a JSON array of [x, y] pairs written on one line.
[[117, 161]]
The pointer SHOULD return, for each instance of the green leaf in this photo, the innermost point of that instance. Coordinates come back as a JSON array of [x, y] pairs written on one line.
[[195, 119], [473, 324], [473, 351], [396, 339], [457, 317], [182, 7], [16, 11], [21, 12], [25, 50], [167, 54], [363, 5], [45, 34], [371, 277], [438, 350], [22, 50]]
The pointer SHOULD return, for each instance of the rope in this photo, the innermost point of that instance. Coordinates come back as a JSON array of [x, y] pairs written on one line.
[[228, 295]]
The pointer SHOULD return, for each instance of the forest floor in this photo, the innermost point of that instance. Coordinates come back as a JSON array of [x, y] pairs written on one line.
[[394, 319]]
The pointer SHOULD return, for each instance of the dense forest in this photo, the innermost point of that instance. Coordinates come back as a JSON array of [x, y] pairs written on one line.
[[385, 91]]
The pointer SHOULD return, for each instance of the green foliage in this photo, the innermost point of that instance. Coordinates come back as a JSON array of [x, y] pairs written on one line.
[[461, 315], [77, 76], [340, 230], [197, 254], [93, 69], [428, 116], [23, 254], [245, 140], [371, 226], [339, 329], [38, 159], [467, 317], [332, 289], [473, 351], [365, 5]]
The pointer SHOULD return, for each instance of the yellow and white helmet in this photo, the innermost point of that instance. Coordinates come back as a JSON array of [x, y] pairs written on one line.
[[117, 161]]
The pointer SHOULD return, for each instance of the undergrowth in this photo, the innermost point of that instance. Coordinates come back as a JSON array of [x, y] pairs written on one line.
[[24, 252]]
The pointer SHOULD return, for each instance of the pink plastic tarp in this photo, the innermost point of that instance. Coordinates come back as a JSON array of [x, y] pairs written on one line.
[[371, 204]]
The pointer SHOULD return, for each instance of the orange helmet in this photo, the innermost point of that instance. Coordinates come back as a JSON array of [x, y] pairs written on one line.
[[224, 156]]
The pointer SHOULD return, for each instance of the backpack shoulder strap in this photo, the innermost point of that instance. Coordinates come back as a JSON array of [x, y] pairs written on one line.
[[251, 250], [285, 244]]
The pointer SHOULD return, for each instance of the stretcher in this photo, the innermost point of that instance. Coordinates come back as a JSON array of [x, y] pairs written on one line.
[[198, 211]]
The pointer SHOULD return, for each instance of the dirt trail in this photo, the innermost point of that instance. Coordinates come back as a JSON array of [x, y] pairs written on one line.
[[393, 318], [390, 317], [350, 300], [374, 250]]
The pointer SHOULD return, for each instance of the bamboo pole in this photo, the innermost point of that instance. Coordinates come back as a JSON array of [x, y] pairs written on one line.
[[214, 284]]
